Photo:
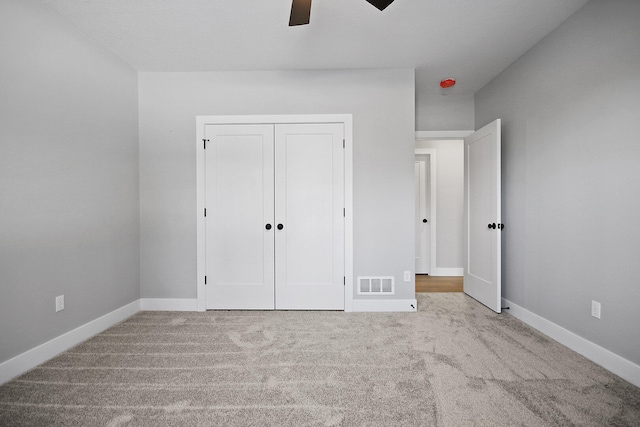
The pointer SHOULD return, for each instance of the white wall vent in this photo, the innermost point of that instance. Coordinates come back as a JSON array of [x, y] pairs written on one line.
[[381, 285]]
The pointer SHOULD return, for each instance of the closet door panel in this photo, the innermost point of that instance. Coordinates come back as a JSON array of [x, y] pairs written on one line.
[[309, 204], [240, 203]]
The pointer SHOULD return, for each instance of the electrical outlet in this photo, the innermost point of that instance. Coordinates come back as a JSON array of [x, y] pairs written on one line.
[[595, 309], [59, 303], [407, 276]]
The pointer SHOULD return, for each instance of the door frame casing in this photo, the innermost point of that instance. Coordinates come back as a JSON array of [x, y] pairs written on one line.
[[202, 121]]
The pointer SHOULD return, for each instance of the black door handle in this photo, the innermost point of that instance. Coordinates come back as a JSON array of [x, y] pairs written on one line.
[[424, 220], [280, 226], [268, 227], [492, 225]]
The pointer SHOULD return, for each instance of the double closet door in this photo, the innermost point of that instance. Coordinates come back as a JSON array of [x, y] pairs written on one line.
[[275, 216]]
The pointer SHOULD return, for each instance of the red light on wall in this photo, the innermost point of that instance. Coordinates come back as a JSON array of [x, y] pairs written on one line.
[[447, 83]]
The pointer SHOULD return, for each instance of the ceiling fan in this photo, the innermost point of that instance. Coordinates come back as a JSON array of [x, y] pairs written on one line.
[[301, 10]]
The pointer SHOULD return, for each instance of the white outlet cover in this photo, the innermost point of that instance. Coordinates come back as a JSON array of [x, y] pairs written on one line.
[[595, 309]]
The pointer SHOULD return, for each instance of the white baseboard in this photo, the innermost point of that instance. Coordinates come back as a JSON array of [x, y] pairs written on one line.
[[600, 355], [40, 354], [447, 272], [168, 304], [370, 305]]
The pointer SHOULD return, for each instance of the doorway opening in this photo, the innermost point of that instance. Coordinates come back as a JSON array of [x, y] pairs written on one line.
[[440, 237]]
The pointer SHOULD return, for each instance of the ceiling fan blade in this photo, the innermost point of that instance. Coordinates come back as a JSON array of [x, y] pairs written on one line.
[[300, 12], [380, 4]]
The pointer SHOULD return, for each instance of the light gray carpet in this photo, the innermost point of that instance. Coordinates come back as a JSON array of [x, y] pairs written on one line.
[[453, 363]]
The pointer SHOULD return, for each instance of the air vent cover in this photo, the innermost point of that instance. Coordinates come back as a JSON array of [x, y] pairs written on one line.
[[378, 285]]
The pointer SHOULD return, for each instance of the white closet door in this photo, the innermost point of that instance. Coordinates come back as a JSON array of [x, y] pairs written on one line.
[[309, 237], [240, 204], [423, 228]]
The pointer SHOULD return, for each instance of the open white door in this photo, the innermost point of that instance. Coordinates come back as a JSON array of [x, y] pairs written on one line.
[[483, 217]]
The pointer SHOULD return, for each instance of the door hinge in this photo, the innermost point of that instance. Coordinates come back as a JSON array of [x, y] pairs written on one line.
[[205, 211], [343, 144], [205, 280], [344, 280], [344, 212], [204, 141]]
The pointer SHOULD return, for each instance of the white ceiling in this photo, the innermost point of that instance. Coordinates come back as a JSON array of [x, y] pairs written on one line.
[[471, 40]]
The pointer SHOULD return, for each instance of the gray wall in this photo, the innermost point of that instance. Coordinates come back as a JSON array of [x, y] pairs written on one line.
[[440, 110], [68, 178], [449, 201], [571, 176], [383, 108]]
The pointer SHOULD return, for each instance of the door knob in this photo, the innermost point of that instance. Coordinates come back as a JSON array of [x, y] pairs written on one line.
[[268, 227], [424, 220], [492, 225], [280, 226]]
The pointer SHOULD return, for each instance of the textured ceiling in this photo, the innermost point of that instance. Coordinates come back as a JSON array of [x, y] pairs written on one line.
[[471, 40]]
